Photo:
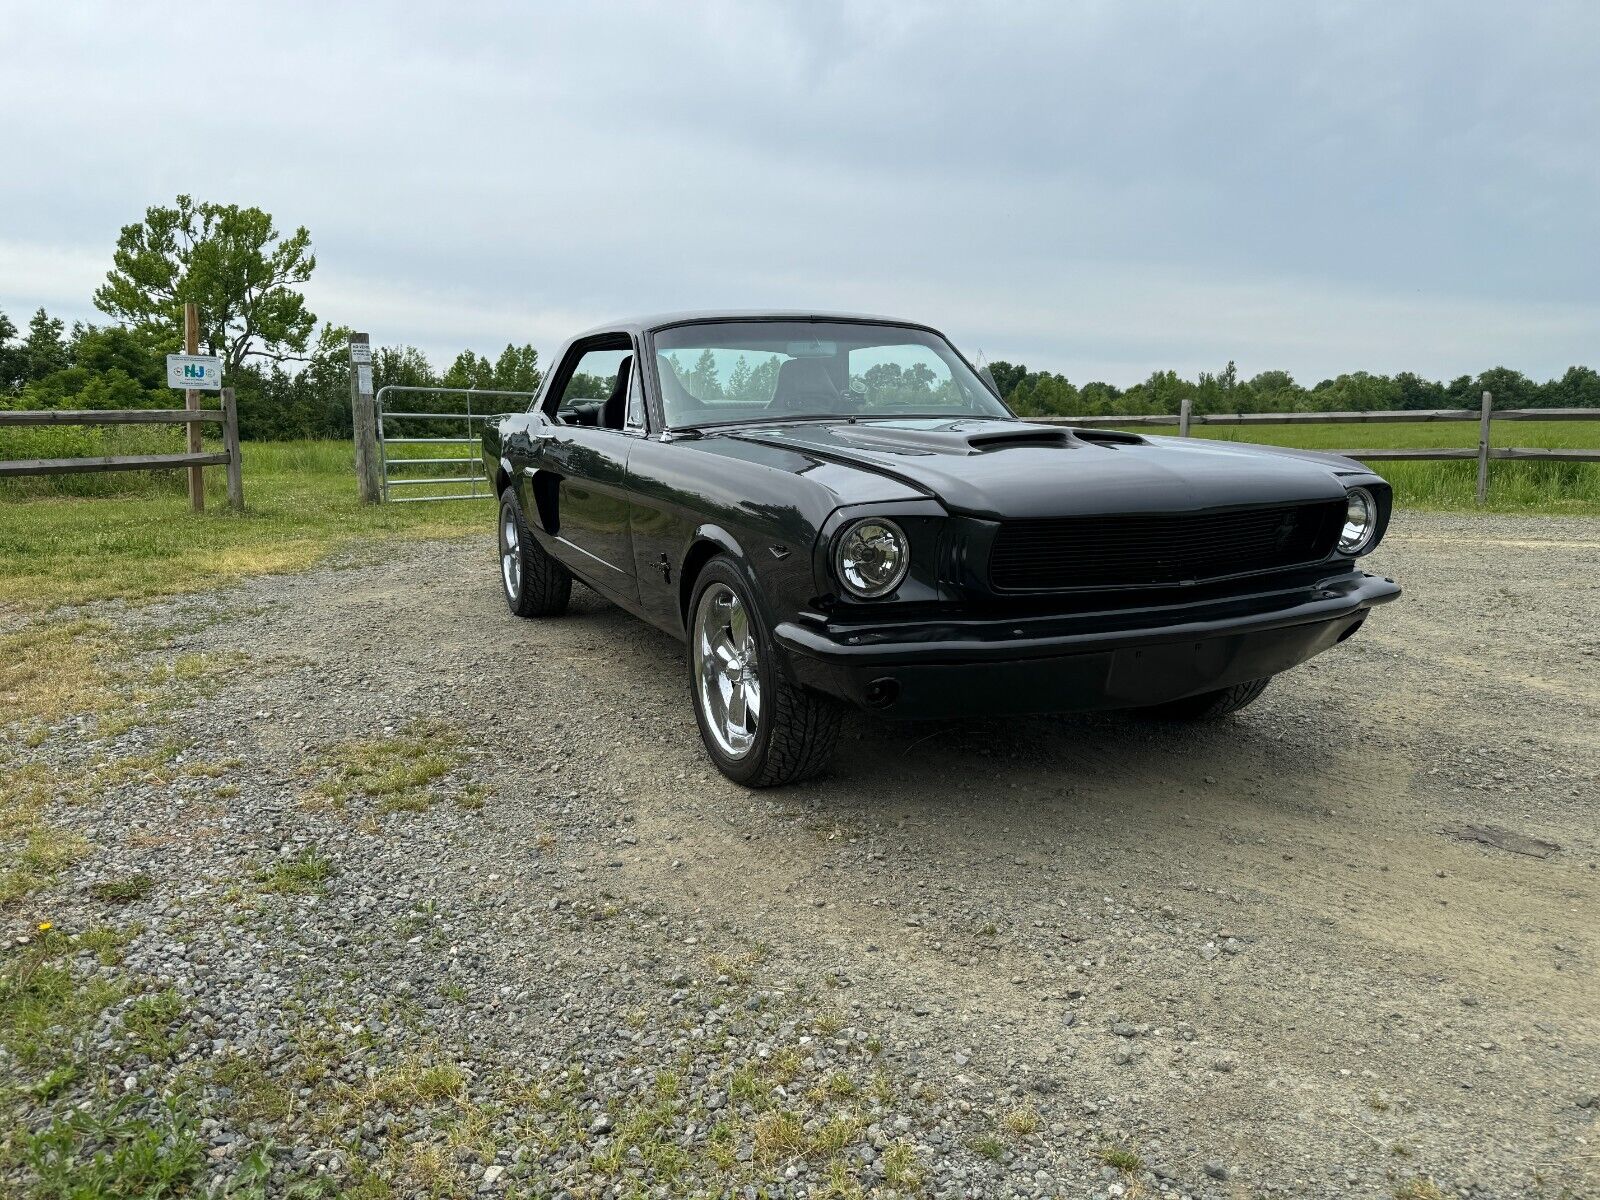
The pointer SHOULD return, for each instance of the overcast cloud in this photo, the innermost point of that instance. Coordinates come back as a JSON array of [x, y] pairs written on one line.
[[1098, 188]]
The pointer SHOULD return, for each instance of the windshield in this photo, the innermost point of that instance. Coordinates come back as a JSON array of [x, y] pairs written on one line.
[[736, 371]]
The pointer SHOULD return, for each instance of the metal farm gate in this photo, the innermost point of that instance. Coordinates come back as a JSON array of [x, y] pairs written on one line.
[[395, 425]]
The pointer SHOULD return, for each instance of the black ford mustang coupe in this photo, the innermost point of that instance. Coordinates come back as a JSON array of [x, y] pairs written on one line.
[[839, 508]]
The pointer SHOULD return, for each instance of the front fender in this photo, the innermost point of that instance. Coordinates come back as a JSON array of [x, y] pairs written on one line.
[[779, 586]]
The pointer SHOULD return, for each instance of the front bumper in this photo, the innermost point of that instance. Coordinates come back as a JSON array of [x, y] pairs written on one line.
[[1114, 659]]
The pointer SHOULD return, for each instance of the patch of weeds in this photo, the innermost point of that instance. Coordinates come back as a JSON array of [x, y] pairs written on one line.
[[1420, 1187], [779, 1135], [107, 943], [397, 772], [150, 1021], [839, 1131], [1021, 1121], [55, 669], [988, 1146], [122, 891], [43, 1006], [253, 1093], [722, 1145], [1121, 1158], [45, 851], [118, 1151], [747, 1087], [828, 1024], [839, 1086], [783, 1066], [882, 1087], [838, 1185], [225, 791], [900, 1166], [300, 876], [415, 1084]]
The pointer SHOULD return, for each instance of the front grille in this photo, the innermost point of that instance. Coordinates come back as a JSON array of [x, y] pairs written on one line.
[[1165, 548]]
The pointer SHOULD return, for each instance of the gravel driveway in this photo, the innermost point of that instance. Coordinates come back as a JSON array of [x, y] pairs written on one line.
[[1319, 949]]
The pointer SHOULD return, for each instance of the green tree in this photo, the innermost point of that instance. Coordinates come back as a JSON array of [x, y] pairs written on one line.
[[517, 369], [1511, 389], [470, 371], [44, 350], [11, 368], [229, 261], [1579, 387]]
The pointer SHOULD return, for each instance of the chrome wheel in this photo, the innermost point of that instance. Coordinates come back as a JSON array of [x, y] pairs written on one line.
[[510, 553], [727, 678]]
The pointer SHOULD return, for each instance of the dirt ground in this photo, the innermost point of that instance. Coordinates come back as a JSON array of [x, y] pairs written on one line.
[[1266, 953]]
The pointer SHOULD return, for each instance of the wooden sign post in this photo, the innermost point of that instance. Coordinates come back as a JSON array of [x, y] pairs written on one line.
[[364, 421], [191, 401]]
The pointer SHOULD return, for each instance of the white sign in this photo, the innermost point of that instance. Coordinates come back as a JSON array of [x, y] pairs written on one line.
[[201, 372], [364, 380], [360, 352]]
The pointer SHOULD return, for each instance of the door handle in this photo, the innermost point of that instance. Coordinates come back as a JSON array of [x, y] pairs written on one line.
[[545, 433]]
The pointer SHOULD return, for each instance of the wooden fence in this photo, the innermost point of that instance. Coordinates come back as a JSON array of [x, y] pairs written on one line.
[[1485, 416], [227, 416]]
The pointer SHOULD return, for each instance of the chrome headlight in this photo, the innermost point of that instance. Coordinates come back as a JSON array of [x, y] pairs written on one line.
[[871, 557], [1360, 521]]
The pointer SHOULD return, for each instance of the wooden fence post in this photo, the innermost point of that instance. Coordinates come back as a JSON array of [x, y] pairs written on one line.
[[230, 443], [364, 419], [1486, 415], [191, 401], [1184, 409]]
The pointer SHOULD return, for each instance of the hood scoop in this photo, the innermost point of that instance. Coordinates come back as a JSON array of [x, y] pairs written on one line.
[[954, 437], [1039, 435], [1108, 437]]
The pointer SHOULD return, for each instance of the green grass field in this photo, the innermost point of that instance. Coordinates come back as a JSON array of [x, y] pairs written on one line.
[[135, 537], [72, 539]]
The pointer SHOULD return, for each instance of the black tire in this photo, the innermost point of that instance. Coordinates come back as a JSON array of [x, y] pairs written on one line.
[[796, 729], [1208, 706], [539, 586]]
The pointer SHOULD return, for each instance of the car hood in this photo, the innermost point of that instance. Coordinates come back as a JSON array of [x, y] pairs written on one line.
[[1013, 469]]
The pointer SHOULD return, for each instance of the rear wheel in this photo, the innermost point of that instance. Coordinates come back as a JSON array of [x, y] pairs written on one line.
[[535, 585], [760, 727], [1208, 706]]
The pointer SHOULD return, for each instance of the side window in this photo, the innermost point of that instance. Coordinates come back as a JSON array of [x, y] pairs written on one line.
[[596, 392], [593, 378]]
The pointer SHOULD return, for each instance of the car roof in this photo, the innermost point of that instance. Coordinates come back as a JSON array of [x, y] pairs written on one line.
[[655, 321]]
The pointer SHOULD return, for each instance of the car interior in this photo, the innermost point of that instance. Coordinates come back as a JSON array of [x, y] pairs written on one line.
[[596, 393]]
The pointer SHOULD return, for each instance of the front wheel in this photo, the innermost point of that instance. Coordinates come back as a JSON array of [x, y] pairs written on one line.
[[760, 727], [535, 585], [1208, 706]]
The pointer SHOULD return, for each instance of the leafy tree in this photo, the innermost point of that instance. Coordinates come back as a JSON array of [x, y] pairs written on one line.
[[469, 371], [1511, 389], [231, 262], [44, 350], [517, 369], [12, 370], [1006, 375], [1579, 387], [103, 348]]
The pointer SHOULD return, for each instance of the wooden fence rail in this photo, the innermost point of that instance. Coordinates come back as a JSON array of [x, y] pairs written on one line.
[[227, 416], [1485, 415]]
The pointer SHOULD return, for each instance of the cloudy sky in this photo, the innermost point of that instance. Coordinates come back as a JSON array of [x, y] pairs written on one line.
[[1101, 189]]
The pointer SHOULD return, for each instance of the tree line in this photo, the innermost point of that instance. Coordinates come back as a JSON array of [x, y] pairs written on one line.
[[1045, 393], [291, 376], [113, 366]]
